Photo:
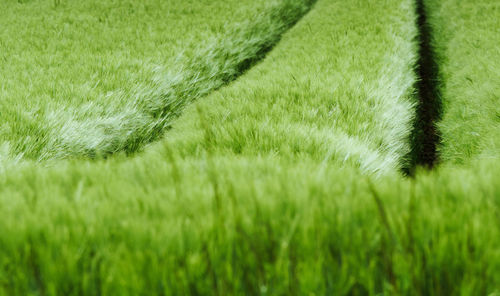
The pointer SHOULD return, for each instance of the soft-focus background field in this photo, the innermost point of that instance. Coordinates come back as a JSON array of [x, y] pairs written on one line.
[[287, 181]]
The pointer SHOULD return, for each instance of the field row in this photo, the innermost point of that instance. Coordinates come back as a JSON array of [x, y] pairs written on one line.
[[287, 181]]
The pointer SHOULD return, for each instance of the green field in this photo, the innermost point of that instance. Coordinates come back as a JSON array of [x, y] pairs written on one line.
[[231, 147]]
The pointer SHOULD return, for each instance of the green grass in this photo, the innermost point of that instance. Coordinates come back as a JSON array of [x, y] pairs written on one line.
[[466, 44], [95, 117], [304, 103], [285, 182], [248, 225]]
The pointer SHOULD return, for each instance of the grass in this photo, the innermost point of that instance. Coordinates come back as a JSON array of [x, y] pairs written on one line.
[[305, 103], [467, 48], [86, 123], [285, 182], [248, 226]]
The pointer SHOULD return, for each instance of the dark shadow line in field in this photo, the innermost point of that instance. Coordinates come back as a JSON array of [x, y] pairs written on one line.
[[425, 137]]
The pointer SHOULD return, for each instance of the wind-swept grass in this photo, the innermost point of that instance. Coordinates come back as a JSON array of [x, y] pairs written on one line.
[[247, 226], [467, 40], [241, 196], [87, 53], [126, 120], [338, 91], [285, 182]]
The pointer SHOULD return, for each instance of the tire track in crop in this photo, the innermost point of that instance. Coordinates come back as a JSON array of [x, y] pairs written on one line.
[[425, 136]]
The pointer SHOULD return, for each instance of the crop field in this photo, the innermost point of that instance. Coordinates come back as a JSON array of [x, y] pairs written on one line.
[[249, 147]]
